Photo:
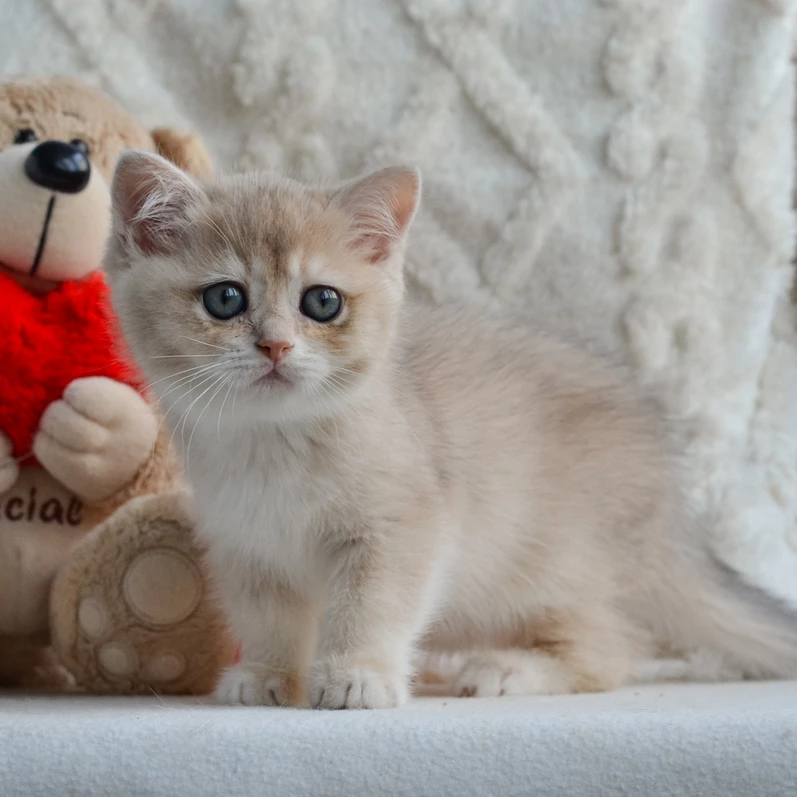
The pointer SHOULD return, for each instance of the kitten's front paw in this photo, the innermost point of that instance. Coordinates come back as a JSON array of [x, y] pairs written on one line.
[[250, 684], [356, 683]]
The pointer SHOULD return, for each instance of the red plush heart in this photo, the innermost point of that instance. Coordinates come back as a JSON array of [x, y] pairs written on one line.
[[48, 341]]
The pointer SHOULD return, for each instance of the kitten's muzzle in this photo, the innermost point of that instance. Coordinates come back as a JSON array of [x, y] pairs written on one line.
[[275, 350]]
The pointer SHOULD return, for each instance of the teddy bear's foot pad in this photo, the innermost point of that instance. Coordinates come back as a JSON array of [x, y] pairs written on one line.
[[132, 612], [162, 587]]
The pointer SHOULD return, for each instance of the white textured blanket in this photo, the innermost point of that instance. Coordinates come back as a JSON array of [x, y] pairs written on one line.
[[621, 168], [732, 740]]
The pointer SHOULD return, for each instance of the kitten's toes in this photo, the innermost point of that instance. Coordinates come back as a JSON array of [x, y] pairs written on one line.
[[250, 684], [480, 679], [505, 673], [439, 666], [355, 684]]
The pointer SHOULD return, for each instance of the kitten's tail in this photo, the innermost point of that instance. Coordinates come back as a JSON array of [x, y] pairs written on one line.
[[721, 611]]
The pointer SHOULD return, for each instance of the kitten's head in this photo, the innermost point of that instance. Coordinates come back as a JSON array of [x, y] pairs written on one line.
[[283, 294]]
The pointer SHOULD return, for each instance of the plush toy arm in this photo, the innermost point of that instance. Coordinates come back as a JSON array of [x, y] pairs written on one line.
[[9, 469], [97, 438]]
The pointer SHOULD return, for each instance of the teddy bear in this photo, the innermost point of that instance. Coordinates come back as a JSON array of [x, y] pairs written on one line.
[[102, 585]]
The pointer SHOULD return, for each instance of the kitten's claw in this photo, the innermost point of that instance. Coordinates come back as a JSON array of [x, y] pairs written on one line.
[[250, 684], [337, 684]]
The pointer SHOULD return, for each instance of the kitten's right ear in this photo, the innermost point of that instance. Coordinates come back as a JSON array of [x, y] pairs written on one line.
[[153, 202]]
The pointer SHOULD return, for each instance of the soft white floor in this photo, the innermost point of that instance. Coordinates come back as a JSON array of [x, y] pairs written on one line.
[[723, 740]]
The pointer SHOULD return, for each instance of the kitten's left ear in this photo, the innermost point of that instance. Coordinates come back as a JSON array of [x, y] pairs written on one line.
[[381, 207], [153, 201]]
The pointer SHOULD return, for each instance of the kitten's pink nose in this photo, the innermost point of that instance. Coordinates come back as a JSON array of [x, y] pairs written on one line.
[[275, 350]]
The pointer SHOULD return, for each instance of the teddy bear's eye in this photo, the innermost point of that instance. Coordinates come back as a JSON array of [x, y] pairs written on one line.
[[80, 145], [25, 136]]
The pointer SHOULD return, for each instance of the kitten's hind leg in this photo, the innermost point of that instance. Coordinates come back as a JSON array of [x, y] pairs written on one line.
[[513, 672], [584, 651]]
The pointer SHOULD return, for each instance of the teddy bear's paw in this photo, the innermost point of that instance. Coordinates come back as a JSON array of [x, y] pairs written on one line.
[[96, 438], [252, 684]]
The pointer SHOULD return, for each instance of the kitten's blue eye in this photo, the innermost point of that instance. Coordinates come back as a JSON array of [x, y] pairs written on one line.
[[321, 303], [225, 300]]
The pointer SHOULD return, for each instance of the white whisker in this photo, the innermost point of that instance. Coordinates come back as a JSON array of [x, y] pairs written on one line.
[[171, 376], [188, 409], [204, 343], [206, 369], [221, 409], [180, 356], [204, 410], [175, 403]]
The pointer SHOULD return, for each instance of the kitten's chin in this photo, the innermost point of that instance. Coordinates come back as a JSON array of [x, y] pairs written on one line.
[[280, 397], [273, 381]]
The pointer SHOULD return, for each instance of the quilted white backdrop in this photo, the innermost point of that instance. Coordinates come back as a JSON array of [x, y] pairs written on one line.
[[618, 168]]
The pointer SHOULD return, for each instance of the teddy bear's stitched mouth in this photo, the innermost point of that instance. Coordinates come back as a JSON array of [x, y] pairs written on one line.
[[20, 276], [42, 237]]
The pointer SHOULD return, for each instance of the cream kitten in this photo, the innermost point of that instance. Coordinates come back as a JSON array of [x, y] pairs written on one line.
[[372, 474]]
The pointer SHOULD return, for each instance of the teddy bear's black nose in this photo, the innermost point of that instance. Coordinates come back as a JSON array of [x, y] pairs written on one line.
[[58, 166]]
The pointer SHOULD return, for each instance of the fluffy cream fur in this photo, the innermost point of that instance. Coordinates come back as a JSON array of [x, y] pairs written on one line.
[[407, 474]]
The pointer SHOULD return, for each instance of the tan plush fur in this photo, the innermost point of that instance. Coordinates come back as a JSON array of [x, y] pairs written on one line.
[[100, 446], [406, 475]]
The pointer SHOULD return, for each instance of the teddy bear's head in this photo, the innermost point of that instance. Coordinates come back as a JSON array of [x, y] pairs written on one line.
[[59, 143]]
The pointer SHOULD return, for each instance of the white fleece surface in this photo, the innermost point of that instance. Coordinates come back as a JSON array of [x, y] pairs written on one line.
[[621, 169], [706, 741]]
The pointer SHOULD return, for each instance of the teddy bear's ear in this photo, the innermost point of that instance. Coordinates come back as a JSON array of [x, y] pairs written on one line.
[[185, 150]]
